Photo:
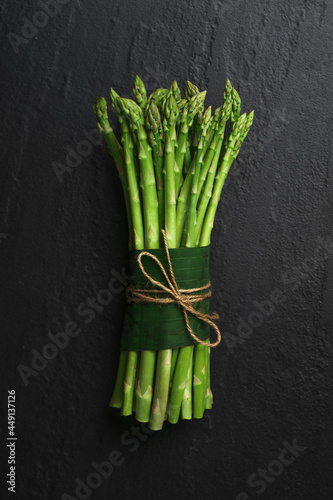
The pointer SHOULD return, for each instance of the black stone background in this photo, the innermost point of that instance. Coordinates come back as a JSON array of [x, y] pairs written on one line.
[[60, 242]]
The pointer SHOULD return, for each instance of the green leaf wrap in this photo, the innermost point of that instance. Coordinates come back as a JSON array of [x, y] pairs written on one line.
[[149, 326]]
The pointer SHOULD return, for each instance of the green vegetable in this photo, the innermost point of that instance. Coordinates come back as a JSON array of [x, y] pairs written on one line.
[[172, 161]]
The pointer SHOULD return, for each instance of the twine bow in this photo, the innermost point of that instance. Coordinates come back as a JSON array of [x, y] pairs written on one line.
[[184, 298]]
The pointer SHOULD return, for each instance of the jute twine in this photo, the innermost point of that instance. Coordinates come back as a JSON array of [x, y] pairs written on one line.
[[184, 298]]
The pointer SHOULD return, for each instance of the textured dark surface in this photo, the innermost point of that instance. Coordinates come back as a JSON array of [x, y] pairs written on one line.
[[61, 241]]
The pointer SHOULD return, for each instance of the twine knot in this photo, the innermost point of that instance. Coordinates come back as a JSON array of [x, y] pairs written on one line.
[[184, 298]]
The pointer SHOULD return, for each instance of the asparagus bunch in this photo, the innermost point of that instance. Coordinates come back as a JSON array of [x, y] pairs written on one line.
[[173, 160]]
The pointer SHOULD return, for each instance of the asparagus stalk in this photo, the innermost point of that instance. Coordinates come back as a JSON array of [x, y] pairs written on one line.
[[181, 147], [140, 93], [191, 90], [136, 380], [236, 107], [193, 106], [175, 90], [169, 125], [100, 110], [220, 119], [186, 408], [179, 383], [196, 104], [209, 394], [164, 357], [235, 139], [148, 189], [210, 165], [132, 181], [206, 196], [148, 183], [161, 389], [154, 128], [228, 99], [199, 373], [181, 103], [147, 368], [183, 369], [213, 146], [210, 147], [173, 364], [127, 374], [197, 127], [144, 391], [231, 107], [187, 158], [190, 240], [157, 96], [227, 93], [129, 380], [182, 202], [117, 395], [174, 357], [144, 387], [117, 153]]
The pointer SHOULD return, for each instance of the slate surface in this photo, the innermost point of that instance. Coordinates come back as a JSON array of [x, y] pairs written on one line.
[[63, 237]]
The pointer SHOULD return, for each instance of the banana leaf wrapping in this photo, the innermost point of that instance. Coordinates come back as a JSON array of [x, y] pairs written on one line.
[[162, 326]]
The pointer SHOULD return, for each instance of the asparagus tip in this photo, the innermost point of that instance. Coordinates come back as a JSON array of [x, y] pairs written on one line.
[[100, 107], [139, 91], [115, 101]]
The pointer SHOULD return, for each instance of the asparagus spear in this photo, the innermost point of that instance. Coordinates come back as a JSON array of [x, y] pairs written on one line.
[[187, 116], [140, 93], [235, 140], [187, 158], [148, 183], [144, 387], [147, 364], [144, 391], [182, 201], [100, 110], [201, 378], [175, 90], [132, 182], [199, 373], [185, 356], [207, 179], [161, 390], [209, 394], [181, 103], [169, 125], [128, 361], [174, 358], [129, 380], [117, 153], [173, 363], [158, 97], [236, 107], [216, 132], [186, 408], [191, 90], [155, 134], [117, 395], [199, 350], [211, 173], [179, 382], [190, 239], [210, 143], [227, 93], [197, 126]]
